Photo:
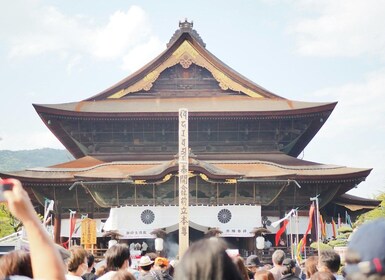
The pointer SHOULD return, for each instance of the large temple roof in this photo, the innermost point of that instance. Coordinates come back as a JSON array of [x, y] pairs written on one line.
[[185, 75], [89, 168], [196, 106], [272, 173], [355, 203]]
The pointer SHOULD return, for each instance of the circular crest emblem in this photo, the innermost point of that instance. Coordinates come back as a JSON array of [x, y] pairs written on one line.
[[224, 216], [147, 216]]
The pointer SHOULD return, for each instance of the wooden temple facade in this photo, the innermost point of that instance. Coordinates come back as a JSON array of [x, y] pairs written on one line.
[[244, 143]]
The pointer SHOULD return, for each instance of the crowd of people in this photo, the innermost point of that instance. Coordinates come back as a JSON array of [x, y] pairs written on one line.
[[205, 259]]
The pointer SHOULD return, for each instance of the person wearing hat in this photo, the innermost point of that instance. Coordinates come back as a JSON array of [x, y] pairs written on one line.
[[365, 256], [162, 264], [253, 264], [289, 270], [146, 270]]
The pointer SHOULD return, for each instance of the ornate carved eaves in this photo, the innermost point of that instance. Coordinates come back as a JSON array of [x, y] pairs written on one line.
[[186, 55]]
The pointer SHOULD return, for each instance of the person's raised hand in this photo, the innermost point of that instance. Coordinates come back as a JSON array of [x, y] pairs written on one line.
[[19, 203]]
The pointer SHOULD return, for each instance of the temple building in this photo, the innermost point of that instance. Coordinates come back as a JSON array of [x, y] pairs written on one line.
[[244, 170]]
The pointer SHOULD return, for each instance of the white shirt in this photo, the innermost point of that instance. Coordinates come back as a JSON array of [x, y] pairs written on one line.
[[107, 276]]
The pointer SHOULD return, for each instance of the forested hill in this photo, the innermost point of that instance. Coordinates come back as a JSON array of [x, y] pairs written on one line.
[[20, 160]]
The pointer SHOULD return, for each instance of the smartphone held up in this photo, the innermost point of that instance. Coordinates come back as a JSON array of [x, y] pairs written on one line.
[[5, 185]]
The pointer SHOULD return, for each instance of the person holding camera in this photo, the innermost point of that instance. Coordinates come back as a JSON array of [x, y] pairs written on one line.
[[45, 258]]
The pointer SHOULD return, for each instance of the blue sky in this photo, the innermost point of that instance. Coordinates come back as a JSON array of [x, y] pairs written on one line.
[[309, 50]]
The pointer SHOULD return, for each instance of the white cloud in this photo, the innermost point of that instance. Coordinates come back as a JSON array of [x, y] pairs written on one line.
[[340, 28], [72, 37], [353, 136], [142, 54], [51, 31], [122, 31], [356, 127], [359, 103], [73, 63]]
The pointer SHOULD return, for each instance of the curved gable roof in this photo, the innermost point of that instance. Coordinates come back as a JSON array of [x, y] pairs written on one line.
[[185, 48]]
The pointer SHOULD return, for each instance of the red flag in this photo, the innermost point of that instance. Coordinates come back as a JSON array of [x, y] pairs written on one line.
[[72, 225], [65, 244], [280, 231], [309, 226]]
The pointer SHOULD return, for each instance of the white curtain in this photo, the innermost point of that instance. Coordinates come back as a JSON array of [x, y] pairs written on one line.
[[140, 221]]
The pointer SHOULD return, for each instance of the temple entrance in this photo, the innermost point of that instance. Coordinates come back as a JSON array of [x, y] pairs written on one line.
[[172, 241]]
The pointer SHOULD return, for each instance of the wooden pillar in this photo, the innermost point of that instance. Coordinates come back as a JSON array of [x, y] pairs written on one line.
[[57, 223]]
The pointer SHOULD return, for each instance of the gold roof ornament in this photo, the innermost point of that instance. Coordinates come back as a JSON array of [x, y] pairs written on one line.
[[140, 182], [186, 55], [231, 181]]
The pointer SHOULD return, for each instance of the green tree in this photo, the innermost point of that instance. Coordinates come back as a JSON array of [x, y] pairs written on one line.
[[8, 223], [376, 213], [342, 237]]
